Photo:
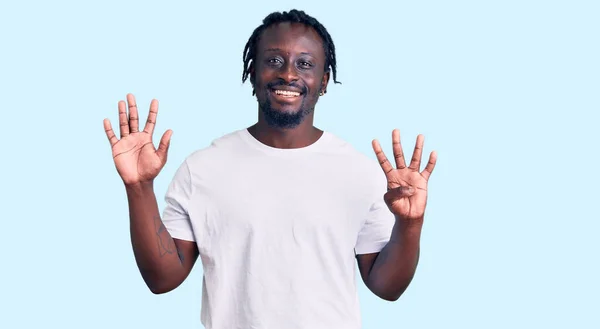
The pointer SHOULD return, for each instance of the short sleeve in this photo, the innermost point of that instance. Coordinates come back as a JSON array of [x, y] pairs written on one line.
[[175, 215], [377, 228]]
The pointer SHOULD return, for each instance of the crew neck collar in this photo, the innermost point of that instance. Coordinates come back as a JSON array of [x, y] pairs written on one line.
[[255, 143]]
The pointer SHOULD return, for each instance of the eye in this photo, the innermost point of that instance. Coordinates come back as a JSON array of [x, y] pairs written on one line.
[[305, 64], [274, 61]]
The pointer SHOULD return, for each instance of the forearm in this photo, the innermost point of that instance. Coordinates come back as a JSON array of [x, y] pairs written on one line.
[[396, 264], [155, 252]]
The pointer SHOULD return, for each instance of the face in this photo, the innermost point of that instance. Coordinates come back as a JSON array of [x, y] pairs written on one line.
[[289, 73]]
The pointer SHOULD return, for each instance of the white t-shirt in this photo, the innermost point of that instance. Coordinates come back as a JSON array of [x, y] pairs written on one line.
[[278, 230]]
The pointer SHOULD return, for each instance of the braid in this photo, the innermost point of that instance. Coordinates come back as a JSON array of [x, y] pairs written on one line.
[[293, 16]]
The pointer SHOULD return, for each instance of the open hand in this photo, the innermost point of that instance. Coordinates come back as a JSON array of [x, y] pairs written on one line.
[[407, 187], [135, 157]]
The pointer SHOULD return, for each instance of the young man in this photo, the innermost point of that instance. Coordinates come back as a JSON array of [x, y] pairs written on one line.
[[278, 212]]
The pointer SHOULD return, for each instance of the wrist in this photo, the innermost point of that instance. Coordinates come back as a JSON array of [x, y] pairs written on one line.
[[409, 226], [139, 187], [406, 233]]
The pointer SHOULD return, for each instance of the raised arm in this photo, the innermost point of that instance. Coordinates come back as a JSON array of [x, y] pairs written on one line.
[[164, 262], [389, 272]]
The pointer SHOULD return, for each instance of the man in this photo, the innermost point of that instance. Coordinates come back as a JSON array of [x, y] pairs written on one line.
[[278, 211]]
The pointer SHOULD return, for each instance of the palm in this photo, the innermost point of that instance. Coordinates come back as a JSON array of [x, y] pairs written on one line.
[[135, 157], [404, 204]]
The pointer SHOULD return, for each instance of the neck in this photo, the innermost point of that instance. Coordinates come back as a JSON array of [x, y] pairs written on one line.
[[303, 135]]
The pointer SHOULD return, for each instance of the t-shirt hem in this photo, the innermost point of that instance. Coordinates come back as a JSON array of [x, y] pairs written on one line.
[[370, 249], [181, 235]]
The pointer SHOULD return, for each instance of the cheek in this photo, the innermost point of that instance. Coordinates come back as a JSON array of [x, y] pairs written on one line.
[[314, 81], [264, 72], [314, 87], [260, 84]]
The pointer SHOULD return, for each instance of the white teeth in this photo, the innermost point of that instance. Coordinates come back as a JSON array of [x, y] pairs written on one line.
[[287, 93]]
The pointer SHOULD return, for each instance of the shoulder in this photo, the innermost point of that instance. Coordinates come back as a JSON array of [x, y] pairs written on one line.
[[356, 159], [218, 150], [356, 164], [212, 160]]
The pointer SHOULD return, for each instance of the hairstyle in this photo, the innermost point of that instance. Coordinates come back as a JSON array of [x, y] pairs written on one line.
[[293, 16]]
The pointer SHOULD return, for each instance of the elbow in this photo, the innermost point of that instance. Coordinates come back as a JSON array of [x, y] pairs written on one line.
[[390, 297], [387, 292], [161, 283], [159, 290], [160, 287]]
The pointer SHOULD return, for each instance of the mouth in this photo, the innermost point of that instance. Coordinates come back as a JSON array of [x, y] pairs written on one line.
[[286, 94]]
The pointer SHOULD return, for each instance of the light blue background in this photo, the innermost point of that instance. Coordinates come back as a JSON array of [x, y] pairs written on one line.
[[507, 92]]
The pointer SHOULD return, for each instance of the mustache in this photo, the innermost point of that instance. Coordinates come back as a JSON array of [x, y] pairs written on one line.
[[279, 83]]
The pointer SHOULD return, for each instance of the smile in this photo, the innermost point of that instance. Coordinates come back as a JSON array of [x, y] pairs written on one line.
[[286, 93]]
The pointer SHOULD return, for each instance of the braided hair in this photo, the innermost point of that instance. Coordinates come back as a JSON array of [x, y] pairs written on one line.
[[293, 16]]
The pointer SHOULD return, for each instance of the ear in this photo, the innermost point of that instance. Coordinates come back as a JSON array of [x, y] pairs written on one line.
[[252, 77], [325, 81], [252, 73]]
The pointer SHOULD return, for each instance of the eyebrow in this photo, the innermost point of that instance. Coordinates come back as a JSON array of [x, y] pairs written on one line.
[[279, 49]]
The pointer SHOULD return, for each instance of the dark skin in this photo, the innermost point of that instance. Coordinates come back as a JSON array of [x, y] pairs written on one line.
[[164, 262], [291, 56]]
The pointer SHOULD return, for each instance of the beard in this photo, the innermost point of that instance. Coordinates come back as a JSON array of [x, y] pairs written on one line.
[[284, 119]]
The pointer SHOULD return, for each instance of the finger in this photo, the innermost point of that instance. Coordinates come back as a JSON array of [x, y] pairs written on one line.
[[415, 162], [399, 192], [397, 147], [383, 161], [133, 114], [163, 146], [123, 122], [110, 133], [430, 165], [151, 122]]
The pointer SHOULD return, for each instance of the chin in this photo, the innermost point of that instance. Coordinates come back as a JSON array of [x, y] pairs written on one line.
[[286, 110], [283, 117]]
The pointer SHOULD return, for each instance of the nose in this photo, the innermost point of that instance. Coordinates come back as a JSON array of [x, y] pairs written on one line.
[[288, 72]]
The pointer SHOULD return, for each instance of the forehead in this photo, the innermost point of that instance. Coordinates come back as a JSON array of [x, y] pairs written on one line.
[[291, 37]]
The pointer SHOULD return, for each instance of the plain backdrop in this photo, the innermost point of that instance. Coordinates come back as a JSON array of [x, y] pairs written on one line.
[[507, 93]]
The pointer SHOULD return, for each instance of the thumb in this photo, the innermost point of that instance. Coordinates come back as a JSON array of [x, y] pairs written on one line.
[[163, 146], [400, 192]]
